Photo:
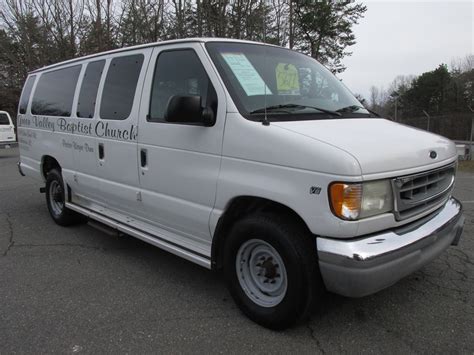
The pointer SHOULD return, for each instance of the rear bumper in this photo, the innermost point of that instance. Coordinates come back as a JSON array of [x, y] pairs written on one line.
[[7, 145], [362, 266]]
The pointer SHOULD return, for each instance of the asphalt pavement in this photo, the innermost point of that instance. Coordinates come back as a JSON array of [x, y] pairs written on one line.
[[80, 290]]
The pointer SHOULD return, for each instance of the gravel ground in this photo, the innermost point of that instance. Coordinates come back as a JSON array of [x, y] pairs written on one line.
[[79, 290]]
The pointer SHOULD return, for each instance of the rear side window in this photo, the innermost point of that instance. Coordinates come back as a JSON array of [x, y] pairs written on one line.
[[4, 119], [89, 87], [25, 96], [55, 92], [120, 86]]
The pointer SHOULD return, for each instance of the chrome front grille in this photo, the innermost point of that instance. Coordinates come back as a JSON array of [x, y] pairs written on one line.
[[419, 192]]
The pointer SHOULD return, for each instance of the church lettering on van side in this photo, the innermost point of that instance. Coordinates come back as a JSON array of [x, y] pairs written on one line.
[[100, 129], [76, 127], [103, 130]]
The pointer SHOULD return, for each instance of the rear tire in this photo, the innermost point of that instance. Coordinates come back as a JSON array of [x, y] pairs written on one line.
[[56, 201], [271, 267]]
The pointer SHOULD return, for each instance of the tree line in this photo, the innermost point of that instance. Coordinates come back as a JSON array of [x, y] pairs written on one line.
[[443, 90], [35, 33]]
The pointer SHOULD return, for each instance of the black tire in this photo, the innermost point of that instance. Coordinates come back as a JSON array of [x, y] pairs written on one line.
[[297, 250], [61, 215]]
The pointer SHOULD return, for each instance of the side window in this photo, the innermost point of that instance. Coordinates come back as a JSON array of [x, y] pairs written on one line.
[[55, 92], [179, 72], [89, 88], [25, 96], [4, 119], [120, 86]]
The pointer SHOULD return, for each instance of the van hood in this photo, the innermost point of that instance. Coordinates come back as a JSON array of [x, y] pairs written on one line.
[[378, 145]]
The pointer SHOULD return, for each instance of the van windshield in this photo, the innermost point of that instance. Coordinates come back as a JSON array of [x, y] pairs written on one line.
[[282, 84], [4, 119]]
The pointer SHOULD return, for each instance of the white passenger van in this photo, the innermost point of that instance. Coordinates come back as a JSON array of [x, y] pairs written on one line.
[[7, 131], [241, 157]]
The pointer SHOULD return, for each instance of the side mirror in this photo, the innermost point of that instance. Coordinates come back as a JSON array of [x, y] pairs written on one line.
[[187, 109], [208, 117]]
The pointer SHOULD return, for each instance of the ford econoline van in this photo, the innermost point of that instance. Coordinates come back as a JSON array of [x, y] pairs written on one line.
[[242, 157], [7, 131]]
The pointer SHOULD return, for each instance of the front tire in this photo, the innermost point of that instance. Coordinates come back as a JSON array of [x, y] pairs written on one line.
[[271, 268], [56, 200]]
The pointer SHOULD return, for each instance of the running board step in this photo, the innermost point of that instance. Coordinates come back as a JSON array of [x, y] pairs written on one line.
[[155, 240], [104, 228]]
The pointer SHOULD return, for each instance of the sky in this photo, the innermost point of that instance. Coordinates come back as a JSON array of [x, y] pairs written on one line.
[[407, 37]]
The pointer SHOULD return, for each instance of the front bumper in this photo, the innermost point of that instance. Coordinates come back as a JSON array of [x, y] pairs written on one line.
[[362, 266]]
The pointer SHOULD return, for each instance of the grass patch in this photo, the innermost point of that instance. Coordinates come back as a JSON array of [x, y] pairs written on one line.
[[466, 165]]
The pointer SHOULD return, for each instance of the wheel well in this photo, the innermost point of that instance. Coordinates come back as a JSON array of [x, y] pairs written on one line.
[[47, 164], [240, 207]]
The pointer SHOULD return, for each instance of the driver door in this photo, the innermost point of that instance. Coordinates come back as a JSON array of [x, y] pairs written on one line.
[[179, 162]]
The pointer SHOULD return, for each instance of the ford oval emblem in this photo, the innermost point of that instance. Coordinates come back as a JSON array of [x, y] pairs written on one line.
[[433, 154]]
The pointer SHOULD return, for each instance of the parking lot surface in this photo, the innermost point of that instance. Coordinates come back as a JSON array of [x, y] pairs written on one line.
[[79, 290]]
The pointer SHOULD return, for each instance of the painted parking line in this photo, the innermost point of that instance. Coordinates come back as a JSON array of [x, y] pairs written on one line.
[[467, 201]]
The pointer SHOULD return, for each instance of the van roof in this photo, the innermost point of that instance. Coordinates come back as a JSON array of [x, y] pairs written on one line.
[[152, 44]]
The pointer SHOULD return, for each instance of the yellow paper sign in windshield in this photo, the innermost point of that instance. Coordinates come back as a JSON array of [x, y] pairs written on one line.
[[287, 79]]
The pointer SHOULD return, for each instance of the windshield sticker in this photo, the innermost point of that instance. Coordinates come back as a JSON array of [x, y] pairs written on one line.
[[287, 79], [246, 74]]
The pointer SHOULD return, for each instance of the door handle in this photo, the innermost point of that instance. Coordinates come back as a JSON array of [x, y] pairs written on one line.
[[101, 151], [143, 158]]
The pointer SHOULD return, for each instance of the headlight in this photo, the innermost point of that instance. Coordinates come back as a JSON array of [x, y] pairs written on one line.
[[355, 201]]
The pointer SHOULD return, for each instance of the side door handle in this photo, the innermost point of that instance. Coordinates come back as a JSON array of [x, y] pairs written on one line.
[[101, 151], [143, 158]]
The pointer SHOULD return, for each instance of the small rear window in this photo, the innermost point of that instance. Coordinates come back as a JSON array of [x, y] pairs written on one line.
[[4, 119], [120, 86], [25, 96], [54, 93], [89, 87]]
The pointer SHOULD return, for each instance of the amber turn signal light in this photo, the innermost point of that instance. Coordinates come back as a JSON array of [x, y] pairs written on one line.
[[345, 200]]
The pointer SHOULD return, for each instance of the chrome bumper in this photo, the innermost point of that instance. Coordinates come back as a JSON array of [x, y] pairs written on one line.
[[362, 266]]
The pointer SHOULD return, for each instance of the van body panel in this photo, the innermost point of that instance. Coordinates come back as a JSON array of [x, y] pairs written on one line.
[[278, 165], [183, 161], [275, 145], [401, 147]]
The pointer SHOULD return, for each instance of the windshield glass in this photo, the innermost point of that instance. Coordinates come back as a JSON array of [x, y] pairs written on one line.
[[284, 84]]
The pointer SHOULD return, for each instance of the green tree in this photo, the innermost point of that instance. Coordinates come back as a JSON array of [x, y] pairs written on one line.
[[323, 29], [462, 89], [429, 92]]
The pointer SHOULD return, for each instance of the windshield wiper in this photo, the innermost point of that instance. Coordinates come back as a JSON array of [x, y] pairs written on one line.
[[283, 108], [354, 108]]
